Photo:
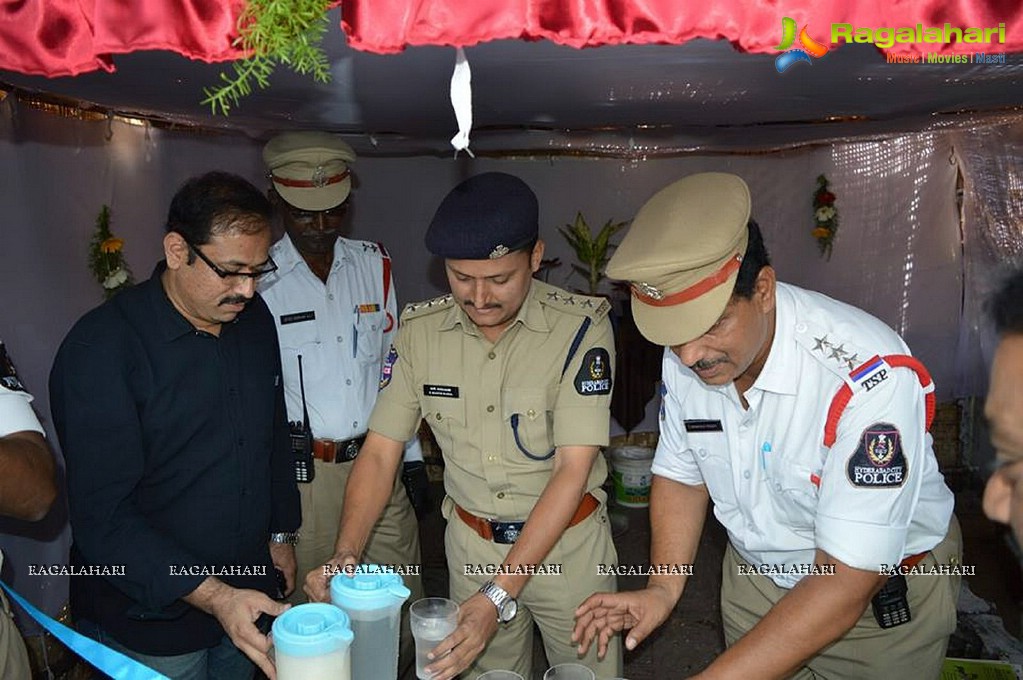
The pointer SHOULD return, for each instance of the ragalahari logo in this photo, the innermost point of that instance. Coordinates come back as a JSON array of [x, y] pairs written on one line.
[[809, 46]]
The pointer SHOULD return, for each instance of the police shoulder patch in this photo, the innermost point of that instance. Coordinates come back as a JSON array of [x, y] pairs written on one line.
[[594, 376], [878, 461], [388, 368], [8, 376]]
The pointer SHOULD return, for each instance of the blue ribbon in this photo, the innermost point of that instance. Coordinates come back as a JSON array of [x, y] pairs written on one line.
[[113, 663]]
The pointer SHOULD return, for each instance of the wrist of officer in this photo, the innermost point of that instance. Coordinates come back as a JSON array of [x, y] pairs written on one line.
[[285, 537]]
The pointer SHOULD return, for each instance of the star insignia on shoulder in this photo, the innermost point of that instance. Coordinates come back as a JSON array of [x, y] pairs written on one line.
[[570, 300], [821, 344], [837, 352], [553, 295], [369, 246], [852, 361], [586, 303]]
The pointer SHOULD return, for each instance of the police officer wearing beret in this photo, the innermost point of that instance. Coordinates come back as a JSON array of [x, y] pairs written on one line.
[[514, 378], [804, 420], [333, 301]]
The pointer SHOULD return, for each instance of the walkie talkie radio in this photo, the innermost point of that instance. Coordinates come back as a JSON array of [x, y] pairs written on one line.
[[302, 438], [891, 606]]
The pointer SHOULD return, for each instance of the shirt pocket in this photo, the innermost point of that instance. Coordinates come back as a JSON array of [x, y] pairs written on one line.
[[526, 411], [793, 493], [295, 336], [446, 417], [368, 329]]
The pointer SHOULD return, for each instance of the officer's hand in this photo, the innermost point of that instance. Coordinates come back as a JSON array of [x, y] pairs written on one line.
[[317, 581], [604, 614], [477, 624], [237, 610], [283, 557]]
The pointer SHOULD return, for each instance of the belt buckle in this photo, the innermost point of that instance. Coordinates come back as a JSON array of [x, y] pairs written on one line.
[[505, 533]]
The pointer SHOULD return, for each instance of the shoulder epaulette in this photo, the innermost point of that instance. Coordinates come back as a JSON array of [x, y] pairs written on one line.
[[847, 361], [417, 309], [575, 303], [367, 247]]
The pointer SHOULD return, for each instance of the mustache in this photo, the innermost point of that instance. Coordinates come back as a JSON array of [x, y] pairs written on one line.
[[704, 364], [469, 303], [235, 300]]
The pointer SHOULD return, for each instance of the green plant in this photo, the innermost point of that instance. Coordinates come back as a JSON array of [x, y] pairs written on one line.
[[274, 32], [592, 250]]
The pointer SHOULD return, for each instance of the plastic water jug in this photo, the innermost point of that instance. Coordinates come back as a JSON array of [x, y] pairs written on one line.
[[372, 598], [311, 642]]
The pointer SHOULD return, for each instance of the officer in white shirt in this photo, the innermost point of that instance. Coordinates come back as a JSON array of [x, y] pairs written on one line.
[[333, 301], [27, 490], [804, 420]]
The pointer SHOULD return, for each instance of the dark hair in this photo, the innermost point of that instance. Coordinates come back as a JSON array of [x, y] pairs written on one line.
[[756, 258], [1007, 305], [217, 203]]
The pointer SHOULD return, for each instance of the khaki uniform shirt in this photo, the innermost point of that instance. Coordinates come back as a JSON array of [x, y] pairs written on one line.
[[472, 393]]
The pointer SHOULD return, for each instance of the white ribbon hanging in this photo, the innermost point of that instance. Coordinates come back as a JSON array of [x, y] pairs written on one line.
[[461, 102]]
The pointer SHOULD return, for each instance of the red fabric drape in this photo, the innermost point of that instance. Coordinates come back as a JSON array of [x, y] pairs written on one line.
[[751, 25], [68, 37]]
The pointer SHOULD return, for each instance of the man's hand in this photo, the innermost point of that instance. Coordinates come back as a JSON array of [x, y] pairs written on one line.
[[283, 556], [604, 614], [477, 624], [237, 610], [317, 581]]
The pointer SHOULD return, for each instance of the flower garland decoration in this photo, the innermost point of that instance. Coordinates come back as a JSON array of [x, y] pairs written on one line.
[[825, 216], [106, 257]]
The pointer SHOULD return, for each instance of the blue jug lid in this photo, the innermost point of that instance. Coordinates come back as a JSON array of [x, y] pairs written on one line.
[[372, 586], [311, 629]]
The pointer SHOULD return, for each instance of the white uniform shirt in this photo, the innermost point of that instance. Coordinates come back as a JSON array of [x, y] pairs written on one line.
[[15, 413], [341, 329], [875, 497]]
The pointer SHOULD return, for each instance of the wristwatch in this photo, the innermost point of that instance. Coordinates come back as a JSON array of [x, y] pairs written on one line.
[[286, 537], [505, 603]]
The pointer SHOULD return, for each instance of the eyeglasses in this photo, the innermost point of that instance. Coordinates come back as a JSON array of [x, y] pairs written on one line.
[[268, 267]]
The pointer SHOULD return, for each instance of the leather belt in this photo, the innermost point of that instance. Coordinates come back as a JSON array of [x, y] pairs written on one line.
[[337, 450], [913, 560], [508, 532]]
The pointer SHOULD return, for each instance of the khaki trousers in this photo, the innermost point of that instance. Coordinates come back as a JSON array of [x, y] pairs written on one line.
[[13, 657], [395, 538], [549, 600], [913, 650]]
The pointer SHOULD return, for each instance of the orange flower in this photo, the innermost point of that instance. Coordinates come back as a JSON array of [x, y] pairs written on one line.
[[821, 232], [111, 245]]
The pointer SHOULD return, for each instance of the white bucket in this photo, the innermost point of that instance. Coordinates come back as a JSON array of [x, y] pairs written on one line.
[[630, 471]]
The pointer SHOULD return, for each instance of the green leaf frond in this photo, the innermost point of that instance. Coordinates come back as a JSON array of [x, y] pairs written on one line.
[[288, 32]]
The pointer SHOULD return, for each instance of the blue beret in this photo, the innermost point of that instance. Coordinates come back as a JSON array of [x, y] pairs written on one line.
[[484, 217]]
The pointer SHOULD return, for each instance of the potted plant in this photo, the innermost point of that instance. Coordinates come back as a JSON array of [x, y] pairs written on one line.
[[592, 250]]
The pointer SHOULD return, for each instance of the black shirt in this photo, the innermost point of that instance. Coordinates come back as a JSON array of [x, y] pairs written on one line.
[[178, 459]]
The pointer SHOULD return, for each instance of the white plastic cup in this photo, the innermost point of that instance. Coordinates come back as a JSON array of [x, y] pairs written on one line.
[[569, 671], [500, 675], [432, 619]]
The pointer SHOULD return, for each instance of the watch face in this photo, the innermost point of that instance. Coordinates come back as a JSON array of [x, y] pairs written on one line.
[[508, 610]]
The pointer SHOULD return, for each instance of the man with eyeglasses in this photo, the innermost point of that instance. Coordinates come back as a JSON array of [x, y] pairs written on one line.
[[169, 407], [333, 302]]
